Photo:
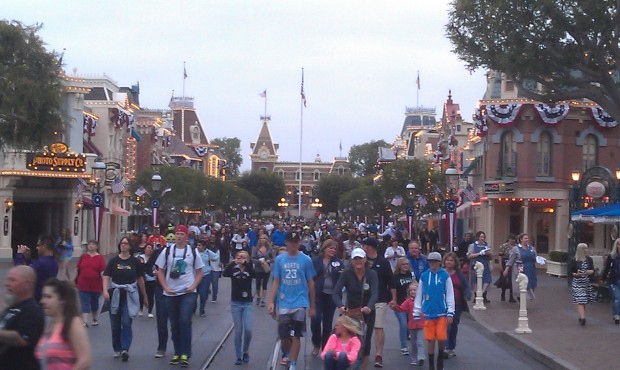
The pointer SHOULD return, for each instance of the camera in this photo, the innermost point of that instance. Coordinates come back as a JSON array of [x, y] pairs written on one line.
[[175, 274]]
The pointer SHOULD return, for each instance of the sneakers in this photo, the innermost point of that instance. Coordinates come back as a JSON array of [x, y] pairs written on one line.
[[450, 353], [175, 360], [378, 361], [284, 360], [117, 354], [421, 362], [202, 313], [246, 358], [238, 362], [184, 361], [150, 317], [262, 303], [214, 300], [160, 353], [315, 351], [124, 356], [95, 322], [257, 301], [404, 351]]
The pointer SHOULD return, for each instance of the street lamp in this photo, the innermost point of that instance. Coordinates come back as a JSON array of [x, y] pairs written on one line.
[[98, 198], [452, 182], [155, 202], [316, 203], [410, 210]]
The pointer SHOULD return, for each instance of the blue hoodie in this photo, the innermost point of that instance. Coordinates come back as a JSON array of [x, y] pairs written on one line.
[[435, 296]]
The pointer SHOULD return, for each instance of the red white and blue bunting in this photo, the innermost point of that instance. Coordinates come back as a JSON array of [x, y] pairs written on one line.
[[480, 120], [201, 150], [504, 115], [120, 118], [552, 115], [602, 118], [90, 125]]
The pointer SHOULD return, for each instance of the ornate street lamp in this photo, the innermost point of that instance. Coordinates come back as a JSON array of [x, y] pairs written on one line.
[[98, 198], [452, 181], [155, 202], [410, 210]]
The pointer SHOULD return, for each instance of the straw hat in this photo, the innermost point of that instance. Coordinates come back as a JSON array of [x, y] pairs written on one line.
[[349, 324]]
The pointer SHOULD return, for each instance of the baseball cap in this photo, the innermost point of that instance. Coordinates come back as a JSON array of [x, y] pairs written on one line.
[[292, 236], [181, 229], [358, 253], [371, 241], [434, 256]]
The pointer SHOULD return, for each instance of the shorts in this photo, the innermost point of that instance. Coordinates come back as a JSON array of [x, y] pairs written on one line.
[[436, 329], [381, 309], [292, 324]]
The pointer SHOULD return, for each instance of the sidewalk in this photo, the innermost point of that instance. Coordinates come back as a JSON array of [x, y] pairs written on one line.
[[557, 339]]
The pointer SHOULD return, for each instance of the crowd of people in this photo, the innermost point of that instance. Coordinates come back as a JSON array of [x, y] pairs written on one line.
[[296, 270]]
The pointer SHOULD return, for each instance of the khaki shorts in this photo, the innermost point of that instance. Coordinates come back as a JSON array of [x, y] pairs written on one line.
[[381, 309]]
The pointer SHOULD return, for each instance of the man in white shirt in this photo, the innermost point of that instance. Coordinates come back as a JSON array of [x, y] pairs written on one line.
[[179, 273]]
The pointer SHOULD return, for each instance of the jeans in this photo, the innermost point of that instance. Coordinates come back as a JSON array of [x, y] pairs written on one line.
[[149, 286], [122, 334], [453, 329], [162, 319], [242, 317], [321, 323], [89, 301], [180, 310], [402, 328], [203, 291], [417, 343], [336, 364], [215, 277], [614, 289]]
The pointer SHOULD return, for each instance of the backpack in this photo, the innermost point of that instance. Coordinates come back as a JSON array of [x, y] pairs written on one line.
[[175, 246]]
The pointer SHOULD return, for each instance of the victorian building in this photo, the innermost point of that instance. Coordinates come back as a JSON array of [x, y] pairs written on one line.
[[265, 157]]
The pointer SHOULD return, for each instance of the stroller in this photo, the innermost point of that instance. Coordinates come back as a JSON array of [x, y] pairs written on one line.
[[357, 315]]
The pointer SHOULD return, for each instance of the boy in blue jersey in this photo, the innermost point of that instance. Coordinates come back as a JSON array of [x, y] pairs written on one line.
[[293, 282], [435, 298]]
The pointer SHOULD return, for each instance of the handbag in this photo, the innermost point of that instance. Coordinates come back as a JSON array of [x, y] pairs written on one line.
[[266, 266]]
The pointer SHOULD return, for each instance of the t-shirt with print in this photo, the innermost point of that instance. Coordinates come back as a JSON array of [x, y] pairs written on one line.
[[180, 260], [27, 319], [124, 271], [293, 273]]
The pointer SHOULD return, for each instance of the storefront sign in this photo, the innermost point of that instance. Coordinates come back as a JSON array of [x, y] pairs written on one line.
[[495, 187], [57, 158]]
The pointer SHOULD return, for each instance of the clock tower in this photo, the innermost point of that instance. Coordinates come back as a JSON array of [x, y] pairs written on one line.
[[264, 152]]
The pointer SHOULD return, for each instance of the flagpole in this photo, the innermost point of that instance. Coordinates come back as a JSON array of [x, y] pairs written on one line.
[[265, 103], [184, 77], [301, 134]]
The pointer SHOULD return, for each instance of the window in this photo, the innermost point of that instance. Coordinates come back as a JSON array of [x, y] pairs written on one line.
[[543, 155], [341, 170], [298, 174], [458, 128], [508, 159], [195, 133], [589, 151], [316, 176], [281, 172], [263, 169]]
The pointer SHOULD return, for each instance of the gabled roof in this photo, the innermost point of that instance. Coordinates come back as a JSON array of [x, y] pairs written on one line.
[[178, 148], [451, 110], [181, 125], [264, 140]]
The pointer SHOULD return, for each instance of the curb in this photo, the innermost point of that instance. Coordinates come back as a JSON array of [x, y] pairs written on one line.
[[518, 341]]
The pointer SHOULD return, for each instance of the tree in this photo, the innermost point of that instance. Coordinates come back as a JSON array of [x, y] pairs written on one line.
[[231, 150], [554, 50], [30, 88], [363, 157], [330, 188], [267, 187]]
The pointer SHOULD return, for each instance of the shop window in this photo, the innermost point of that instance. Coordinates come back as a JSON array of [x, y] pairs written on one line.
[[589, 152], [508, 159], [543, 155]]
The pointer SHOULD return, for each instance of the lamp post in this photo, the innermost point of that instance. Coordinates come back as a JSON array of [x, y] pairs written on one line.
[[98, 198], [155, 202], [410, 210], [452, 179], [282, 204]]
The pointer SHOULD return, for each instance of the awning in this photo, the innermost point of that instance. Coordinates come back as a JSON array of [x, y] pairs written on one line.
[[119, 211], [90, 147], [465, 210], [471, 166], [608, 214], [88, 203]]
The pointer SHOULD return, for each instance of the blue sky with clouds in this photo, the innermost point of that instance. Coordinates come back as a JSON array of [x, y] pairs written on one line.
[[360, 59]]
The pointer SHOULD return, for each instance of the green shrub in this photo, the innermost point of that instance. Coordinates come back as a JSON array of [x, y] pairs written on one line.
[[558, 256]]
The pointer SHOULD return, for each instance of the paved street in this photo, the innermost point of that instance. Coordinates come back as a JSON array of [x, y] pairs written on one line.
[[488, 342]]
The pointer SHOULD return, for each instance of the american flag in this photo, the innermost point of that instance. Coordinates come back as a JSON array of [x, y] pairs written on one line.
[[436, 189], [417, 81], [140, 191], [469, 193], [81, 186], [117, 186], [422, 201], [397, 200], [263, 94], [303, 95]]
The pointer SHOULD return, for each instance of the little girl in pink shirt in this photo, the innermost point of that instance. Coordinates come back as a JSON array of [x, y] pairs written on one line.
[[342, 348]]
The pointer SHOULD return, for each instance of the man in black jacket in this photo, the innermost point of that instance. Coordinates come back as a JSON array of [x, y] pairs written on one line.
[[386, 296]]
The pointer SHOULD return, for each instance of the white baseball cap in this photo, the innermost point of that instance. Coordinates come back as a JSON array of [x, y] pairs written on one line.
[[358, 253]]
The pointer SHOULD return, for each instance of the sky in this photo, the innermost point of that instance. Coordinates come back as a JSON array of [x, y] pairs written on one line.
[[360, 60]]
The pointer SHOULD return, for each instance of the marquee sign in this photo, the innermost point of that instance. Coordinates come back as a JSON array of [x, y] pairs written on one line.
[[496, 187], [57, 158]]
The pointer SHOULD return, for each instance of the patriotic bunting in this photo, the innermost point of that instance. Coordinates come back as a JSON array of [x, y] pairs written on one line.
[[552, 115], [480, 121], [90, 124], [201, 150], [602, 118], [504, 115]]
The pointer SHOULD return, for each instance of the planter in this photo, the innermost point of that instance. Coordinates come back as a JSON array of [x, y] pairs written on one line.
[[558, 269]]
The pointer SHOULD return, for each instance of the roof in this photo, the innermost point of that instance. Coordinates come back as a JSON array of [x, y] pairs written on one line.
[[265, 140], [178, 148]]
